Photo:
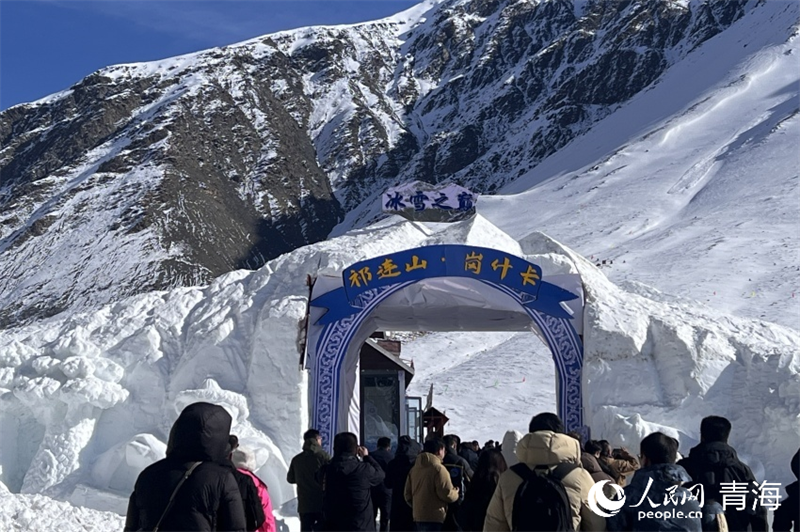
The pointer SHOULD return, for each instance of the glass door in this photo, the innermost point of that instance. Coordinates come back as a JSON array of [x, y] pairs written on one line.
[[414, 417], [380, 407]]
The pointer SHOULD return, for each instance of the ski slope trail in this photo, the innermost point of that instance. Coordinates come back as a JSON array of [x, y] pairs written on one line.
[[486, 383]]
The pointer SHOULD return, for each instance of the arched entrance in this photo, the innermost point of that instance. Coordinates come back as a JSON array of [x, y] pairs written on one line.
[[487, 287]]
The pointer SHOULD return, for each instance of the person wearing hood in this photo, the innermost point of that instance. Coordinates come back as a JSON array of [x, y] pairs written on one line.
[[402, 519], [546, 445], [208, 498], [303, 471], [713, 462], [509, 447], [428, 489], [660, 477], [787, 516], [347, 483]]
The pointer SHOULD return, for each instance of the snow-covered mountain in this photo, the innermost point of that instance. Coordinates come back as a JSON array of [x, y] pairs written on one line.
[[152, 175]]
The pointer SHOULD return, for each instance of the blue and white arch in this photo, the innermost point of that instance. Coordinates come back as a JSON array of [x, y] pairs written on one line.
[[343, 316]]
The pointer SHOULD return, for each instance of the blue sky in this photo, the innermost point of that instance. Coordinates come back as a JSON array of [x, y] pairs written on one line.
[[48, 45]]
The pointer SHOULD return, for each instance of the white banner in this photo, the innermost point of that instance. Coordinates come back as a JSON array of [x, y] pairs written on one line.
[[426, 202]]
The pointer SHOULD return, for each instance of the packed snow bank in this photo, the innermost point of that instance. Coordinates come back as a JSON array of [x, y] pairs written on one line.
[[88, 400], [37, 512], [659, 362]]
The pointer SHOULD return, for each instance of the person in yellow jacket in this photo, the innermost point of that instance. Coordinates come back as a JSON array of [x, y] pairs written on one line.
[[428, 488], [546, 445]]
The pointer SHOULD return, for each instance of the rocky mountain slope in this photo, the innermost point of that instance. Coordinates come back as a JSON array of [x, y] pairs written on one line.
[[147, 176]]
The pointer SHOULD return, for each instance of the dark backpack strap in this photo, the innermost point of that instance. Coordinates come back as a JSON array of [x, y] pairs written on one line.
[[562, 470], [558, 472], [175, 492], [522, 471]]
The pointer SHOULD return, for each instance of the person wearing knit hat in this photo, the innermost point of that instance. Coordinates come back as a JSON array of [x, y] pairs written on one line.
[[245, 463]]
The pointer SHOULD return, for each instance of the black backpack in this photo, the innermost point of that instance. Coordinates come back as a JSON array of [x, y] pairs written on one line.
[[541, 502], [713, 475], [253, 511]]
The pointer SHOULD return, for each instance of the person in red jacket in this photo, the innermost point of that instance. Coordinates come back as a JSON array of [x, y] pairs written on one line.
[[253, 510], [245, 463]]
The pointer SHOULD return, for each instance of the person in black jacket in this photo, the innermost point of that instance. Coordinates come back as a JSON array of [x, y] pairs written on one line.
[[451, 457], [382, 494], [713, 462], [460, 474], [346, 483], [659, 475], [396, 474], [465, 451], [304, 471], [209, 499], [473, 512], [787, 516]]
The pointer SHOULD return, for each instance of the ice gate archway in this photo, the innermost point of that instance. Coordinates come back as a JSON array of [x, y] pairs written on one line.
[[437, 288]]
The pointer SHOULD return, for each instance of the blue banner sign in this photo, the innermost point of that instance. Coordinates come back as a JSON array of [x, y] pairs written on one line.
[[484, 264], [442, 261]]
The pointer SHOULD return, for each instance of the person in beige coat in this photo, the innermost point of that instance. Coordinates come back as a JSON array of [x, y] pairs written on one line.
[[428, 487], [546, 445], [621, 463]]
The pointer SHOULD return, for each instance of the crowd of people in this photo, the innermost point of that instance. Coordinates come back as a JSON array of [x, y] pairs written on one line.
[[545, 480]]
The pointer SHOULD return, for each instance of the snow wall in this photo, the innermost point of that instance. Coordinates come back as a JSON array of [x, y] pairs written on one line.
[[87, 400]]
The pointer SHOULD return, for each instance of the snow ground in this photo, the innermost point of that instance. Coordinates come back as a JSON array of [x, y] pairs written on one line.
[[37, 512]]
